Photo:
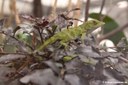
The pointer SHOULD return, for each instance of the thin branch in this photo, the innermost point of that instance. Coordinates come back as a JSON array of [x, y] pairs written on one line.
[[69, 4], [123, 59], [25, 44], [127, 10], [113, 32], [2, 8], [6, 53], [37, 10], [54, 6], [87, 10], [101, 10], [69, 11], [77, 13], [42, 40], [17, 19], [75, 19]]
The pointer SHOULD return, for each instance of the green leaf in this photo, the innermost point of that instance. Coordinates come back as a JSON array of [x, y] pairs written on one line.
[[24, 37], [110, 24]]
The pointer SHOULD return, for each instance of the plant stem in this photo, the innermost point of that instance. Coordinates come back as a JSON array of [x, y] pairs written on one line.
[[23, 44], [100, 13], [87, 10], [113, 32]]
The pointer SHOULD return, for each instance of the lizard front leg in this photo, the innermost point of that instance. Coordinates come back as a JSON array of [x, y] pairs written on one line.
[[63, 43]]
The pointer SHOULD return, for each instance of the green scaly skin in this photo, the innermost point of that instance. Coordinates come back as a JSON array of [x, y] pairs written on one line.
[[71, 33]]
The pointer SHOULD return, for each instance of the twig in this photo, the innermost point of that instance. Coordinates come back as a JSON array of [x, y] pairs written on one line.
[[112, 32], [54, 7], [6, 53], [87, 10], [100, 13], [69, 11], [69, 4], [37, 8], [127, 10], [75, 19], [123, 59], [16, 39], [40, 34], [77, 13], [17, 19], [2, 8]]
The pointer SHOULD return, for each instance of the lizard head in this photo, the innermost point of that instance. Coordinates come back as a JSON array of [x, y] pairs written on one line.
[[96, 23], [92, 24]]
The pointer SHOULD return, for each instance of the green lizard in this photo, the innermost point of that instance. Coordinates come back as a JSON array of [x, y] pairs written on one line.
[[71, 33]]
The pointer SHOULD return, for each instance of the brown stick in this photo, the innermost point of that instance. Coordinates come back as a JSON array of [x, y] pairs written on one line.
[[112, 32], [2, 8], [54, 7], [100, 13], [37, 10], [77, 13], [14, 12], [87, 10], [69, 4]]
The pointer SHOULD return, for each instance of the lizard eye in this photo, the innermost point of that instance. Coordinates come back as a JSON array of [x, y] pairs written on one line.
[[94, 22]]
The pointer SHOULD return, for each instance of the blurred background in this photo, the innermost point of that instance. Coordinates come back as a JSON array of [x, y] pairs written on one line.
[[115, 11]]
